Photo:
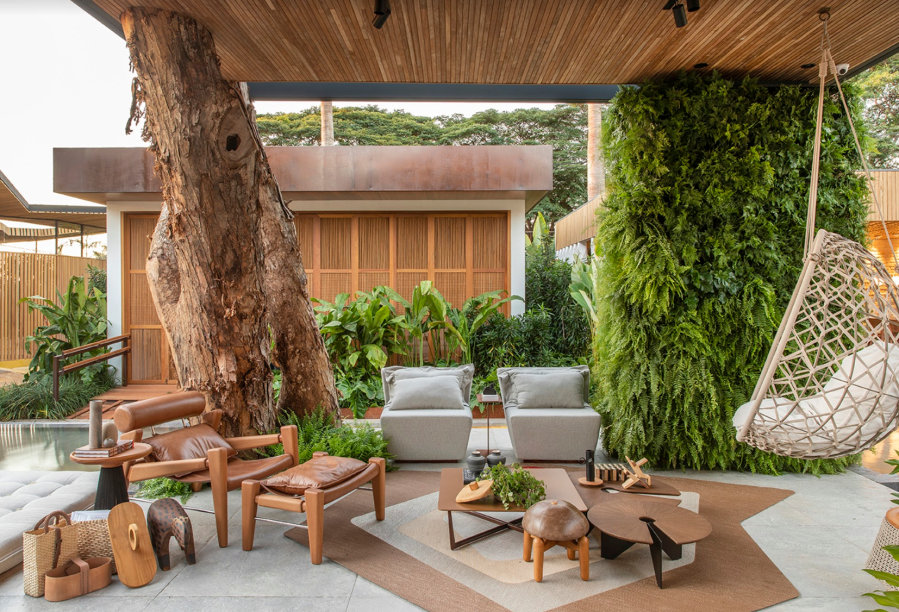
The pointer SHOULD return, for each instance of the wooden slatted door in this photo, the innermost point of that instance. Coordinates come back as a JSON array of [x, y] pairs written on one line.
[[150, 360]]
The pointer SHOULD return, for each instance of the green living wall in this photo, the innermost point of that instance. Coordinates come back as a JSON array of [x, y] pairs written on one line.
[[701, 244]]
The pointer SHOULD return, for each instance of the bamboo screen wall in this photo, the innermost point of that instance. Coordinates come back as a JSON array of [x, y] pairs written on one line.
[[465, 254], [24, 275]]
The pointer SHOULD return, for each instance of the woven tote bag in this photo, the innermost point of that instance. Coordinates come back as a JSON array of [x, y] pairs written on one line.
[[52, 542]]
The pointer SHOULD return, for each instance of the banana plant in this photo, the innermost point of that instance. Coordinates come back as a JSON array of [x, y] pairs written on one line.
[[461, 325], [418, 316], [584, 289], [78, 319], [533, 246]]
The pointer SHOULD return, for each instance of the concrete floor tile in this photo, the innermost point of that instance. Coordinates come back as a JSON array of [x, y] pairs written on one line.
[[257, 603], [381, 604], [24, 603]]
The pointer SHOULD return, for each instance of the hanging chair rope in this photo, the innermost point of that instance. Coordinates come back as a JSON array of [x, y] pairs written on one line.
[[830, 384]]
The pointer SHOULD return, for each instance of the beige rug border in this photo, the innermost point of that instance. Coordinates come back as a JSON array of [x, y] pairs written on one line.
[[731, 573]]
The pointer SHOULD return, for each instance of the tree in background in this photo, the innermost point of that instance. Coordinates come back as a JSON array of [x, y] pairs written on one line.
[[880, 92], [563, 127]]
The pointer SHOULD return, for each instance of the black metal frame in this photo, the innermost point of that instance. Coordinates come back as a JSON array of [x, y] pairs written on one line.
[[501, 525], [611, 547]]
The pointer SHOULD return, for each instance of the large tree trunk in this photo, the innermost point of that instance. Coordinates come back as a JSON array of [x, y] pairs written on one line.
[[224, 264]]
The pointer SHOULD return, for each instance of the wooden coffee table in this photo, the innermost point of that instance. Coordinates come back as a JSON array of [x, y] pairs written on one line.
[[556, 481], [111, 487], [626, 521]]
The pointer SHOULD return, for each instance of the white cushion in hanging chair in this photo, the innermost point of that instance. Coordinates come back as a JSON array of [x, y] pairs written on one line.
[[863, 390]]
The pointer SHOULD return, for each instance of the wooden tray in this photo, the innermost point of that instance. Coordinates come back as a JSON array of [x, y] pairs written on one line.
[[131, 546]]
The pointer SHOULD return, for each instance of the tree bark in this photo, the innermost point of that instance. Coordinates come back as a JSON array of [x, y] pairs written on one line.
[[327, 124], [596, 172], [224, 264]]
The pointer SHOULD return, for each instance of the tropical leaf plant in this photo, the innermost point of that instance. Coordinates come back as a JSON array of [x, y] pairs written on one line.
[[461, 325], [890, 599], [585, 290], [534, 243], [76, 319]]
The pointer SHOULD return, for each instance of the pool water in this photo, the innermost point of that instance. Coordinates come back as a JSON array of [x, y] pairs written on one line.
[[25, 447]]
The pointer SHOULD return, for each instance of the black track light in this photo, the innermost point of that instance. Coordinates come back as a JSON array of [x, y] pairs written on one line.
[[680, 15], [382, 12], [692, 5]]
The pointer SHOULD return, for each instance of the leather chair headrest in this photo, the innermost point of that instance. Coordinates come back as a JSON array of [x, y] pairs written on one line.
[[150, 412]]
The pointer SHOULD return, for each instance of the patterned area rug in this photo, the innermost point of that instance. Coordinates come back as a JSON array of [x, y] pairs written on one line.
[[409, 555]]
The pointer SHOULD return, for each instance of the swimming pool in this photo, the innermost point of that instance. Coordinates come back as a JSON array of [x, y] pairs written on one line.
[[44, 447]]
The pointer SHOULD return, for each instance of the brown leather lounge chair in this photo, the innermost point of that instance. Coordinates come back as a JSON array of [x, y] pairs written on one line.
[[307, 488], [198, 454]]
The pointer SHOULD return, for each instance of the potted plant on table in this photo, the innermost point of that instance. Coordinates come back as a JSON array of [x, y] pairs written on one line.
[[514, 485]]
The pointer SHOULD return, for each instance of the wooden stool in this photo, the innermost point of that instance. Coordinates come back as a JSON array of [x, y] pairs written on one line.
[[556, 523]]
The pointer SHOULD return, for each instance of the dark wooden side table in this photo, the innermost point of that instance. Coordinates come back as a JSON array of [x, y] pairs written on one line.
[[488, 401], [112, 488], [626, 521]]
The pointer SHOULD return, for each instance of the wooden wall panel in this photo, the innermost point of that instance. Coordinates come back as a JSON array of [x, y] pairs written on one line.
[[140, 233], [411, 242], [333, 284], [449, 243], [146, 363], [452, 286], [578, 225], [142, 311], [27, 274], [335, 243], [490, 237], [374, 244], [886, 185], [370, 280], [304, 236]]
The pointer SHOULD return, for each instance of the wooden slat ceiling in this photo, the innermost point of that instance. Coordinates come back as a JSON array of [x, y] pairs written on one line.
[[529, 41]]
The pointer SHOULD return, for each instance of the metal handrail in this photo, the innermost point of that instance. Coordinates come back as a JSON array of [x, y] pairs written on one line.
[[60, 370]]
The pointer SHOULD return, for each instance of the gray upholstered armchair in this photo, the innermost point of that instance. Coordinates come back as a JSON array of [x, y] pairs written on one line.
[[548, 412], [426, 413]]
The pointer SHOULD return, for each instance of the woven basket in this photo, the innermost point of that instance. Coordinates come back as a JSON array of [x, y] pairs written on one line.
[[879, 559], [93, 540], [39, 549]]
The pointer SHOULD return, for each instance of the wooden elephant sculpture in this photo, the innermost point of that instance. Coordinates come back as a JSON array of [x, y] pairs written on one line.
[[166, 518]]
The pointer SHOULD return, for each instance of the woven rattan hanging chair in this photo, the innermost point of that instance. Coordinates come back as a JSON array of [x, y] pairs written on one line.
[[830, 385]]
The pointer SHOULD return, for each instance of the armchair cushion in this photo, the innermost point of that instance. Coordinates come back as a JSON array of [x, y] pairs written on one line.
[[564, 389], [187, 443], [508, 388], [391, 375], [435, 392], [319, 473]]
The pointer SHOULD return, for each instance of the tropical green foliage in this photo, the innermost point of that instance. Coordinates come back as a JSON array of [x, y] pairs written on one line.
[[78, 319], [700, 242], [514, 486], [320, 432], [586, 291], [880, 91], [890, 599], [158, 488], [463, 324], [33, 398], [96, 279], [552, 331], [563, 127]]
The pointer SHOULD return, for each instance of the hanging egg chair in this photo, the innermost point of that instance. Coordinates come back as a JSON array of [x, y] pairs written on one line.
[[830, 385]]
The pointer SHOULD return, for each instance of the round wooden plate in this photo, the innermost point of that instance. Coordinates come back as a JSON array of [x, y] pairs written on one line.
[[583, 481]]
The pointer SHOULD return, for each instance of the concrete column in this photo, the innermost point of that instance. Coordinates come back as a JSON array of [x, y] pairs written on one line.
[[327, 124], [596, 176]]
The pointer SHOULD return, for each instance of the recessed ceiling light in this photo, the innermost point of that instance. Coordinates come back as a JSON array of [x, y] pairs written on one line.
[[807, 66], [700, 65]]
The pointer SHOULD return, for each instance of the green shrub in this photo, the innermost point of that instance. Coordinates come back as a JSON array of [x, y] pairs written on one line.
[[158, 488], [320, 431], [33, 399], [96, 278], [514, 485], [79, 318], [701, 243]]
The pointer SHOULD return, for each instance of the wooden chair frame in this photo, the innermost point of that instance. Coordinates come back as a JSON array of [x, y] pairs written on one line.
[[312, 503], [216, 461]]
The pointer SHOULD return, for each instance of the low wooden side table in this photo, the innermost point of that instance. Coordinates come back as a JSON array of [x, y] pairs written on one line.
[[488, 401], [112, 488], [626, 521]]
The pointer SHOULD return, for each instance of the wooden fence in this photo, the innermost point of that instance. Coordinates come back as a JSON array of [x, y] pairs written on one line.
[[24, 275], [578, 225]]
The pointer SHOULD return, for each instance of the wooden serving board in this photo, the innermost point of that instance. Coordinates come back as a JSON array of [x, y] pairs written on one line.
[[659, 487], [131, 545]]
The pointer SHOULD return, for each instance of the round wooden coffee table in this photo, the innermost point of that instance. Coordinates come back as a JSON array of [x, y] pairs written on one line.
[[111, 488], [627, 521]]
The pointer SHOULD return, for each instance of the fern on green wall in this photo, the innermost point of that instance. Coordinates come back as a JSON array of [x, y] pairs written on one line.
[[701, 243]]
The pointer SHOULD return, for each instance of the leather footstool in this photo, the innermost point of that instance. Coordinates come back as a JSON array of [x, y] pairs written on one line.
[[556, 523]]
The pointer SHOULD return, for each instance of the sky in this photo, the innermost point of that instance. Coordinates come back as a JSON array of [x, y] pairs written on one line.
[[66, 83]]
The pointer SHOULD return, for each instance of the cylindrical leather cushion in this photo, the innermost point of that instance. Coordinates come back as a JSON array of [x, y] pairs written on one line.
[[147, 413], [554, 520]]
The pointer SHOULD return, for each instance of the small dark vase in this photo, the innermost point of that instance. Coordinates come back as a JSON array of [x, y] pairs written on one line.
[[476, 462], [495, 458], [489, 390]]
